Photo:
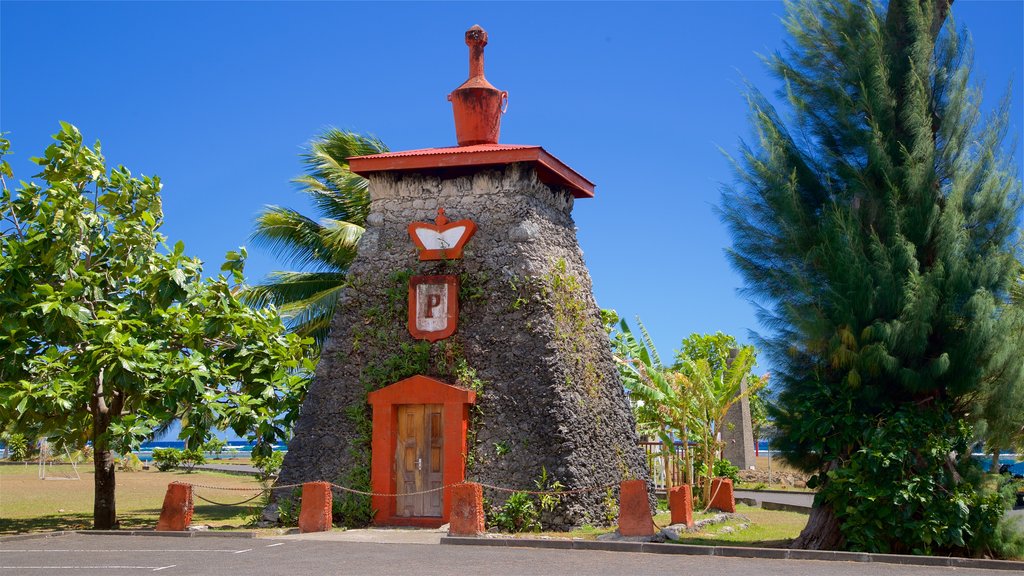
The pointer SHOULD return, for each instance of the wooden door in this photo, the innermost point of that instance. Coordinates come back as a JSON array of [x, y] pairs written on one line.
[[419, 459]]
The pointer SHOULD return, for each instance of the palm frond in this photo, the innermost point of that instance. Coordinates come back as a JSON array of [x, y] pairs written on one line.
[[280, 288], [339, 236], [649, 343], [297, 240], [342, 200], [306, 299]]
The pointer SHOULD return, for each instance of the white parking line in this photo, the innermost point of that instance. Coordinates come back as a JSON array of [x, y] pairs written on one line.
[[79, 567], [243, 551], [278, 544], [164, 568], [232, 550]]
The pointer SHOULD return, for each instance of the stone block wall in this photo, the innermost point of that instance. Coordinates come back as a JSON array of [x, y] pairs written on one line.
[[529, 341]]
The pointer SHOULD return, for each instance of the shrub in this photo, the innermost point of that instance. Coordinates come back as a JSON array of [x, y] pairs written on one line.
[[166, 459], [288, 508], [268, 465], [611, 507], [17, 446], [884, 495], [725, 469], [215, 446], [518, 514], [129, 463], [190, 459]]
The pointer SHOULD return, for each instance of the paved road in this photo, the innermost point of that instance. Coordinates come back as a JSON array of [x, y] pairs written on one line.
[[85, 555], [802, 499]]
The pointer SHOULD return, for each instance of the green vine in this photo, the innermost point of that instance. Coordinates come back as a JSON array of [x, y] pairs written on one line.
[[383, 328], [571, 322]]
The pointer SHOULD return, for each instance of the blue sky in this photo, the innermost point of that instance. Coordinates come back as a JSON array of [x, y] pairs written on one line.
[[219, 98]]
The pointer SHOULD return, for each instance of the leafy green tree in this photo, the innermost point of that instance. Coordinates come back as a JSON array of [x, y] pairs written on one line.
[[324, 247], [105, 333], [661, 404], [715, 383], [874, 227], [1002, 402], [688, 401]]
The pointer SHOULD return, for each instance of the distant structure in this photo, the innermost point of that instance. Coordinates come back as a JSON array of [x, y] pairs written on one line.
[[468, 345], [738, 432]]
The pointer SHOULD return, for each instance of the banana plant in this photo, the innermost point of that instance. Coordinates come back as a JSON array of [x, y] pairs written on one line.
[[661, 403]]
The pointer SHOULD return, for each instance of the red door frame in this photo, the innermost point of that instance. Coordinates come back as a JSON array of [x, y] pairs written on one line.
[[416, 390]]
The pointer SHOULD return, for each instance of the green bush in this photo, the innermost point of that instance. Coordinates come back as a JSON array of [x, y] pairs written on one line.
[[725, 469], [288, 508], [17, 446], [886, 495], [268, 465], [215, 446], [166, 459], [518, 514], [190, 459], [129, 463]]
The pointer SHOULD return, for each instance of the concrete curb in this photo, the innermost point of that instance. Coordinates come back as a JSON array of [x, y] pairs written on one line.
[[32, 536], [765, 505], [185, 534], [735, 552]]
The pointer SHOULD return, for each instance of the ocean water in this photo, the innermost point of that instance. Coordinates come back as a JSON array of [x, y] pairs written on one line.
[[234, 448]]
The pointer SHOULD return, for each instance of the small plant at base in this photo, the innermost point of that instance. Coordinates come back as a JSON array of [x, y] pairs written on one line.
[[611, 507], [288, 508], [256, 511], [501, 448], [547, 502], [518, 514]]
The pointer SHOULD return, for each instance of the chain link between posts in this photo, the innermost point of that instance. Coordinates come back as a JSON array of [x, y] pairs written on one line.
[[261, 491]]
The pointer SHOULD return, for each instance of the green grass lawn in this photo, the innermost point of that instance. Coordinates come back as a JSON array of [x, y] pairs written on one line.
[[766, 528], [28, 504]]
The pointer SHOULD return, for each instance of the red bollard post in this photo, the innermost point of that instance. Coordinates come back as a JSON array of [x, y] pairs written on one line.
[[635, 509], [315, 514], [467, 517], [176, 513], [721, 495], [680, 504]]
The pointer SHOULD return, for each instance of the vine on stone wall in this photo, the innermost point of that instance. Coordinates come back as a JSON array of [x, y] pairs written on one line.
[[384, 328], [570, 313]]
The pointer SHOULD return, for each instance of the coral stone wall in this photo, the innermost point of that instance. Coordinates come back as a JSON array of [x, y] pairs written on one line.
[[529, 341]]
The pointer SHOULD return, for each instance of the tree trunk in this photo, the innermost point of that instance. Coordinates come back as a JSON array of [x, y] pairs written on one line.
[[994, 468], [104, 512], [821, 531], [666, 456]]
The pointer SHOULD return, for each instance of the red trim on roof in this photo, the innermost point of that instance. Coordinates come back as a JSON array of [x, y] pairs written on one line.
[[550, 170]]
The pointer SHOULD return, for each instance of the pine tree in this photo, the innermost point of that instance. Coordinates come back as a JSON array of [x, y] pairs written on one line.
[[874, 227]]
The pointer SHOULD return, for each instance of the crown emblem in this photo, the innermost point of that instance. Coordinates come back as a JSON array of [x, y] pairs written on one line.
[[442, 240]]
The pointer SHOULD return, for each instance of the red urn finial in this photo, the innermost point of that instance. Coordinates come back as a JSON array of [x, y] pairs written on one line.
[[477, 105]]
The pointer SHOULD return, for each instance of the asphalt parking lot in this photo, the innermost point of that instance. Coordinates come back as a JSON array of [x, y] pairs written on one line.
[[86, 555]]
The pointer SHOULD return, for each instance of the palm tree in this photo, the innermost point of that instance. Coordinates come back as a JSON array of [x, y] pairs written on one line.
[[321, 249]]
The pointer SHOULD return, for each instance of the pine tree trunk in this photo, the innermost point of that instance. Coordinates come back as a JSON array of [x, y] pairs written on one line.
[[994, 468], [104, 512], [821, 532]]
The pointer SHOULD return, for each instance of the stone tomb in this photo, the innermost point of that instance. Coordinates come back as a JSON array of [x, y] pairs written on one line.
[[469, 355]]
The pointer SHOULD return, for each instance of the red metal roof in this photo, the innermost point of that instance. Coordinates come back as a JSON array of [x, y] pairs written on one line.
[[456, 159]]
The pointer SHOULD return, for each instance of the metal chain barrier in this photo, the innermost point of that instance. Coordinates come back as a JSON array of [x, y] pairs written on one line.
[[258, 494], [549, 492], [260, 491]]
